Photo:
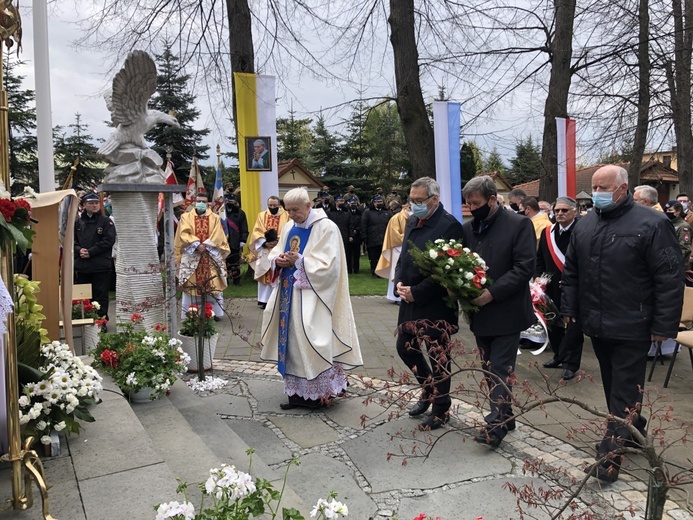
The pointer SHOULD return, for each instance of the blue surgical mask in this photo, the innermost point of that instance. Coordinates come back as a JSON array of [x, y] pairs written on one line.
[[603, 200], [420, 210], [201, 206]]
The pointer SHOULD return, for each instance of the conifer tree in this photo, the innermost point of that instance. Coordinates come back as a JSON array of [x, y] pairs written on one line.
[[385, 145], [494, 162], [355, 147], [526, 165], [470, 160], [294, 137], [325, 153], [75, 142], [172, 95]]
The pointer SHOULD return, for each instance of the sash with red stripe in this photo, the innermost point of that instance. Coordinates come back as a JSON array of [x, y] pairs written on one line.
[[556, 254]]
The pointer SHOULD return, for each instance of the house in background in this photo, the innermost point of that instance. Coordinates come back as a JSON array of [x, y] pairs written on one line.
[[667, 158], [292, 174]]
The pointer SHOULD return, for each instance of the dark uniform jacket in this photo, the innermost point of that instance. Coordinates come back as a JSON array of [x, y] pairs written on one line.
[[428, 295], [97, 234], [546, 263], [623, 276], [237, 225], [341, 218], [355, 226], [374, 225], [507, 243]]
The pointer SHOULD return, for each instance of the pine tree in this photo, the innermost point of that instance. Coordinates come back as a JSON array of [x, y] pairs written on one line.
[[293, 137], [526, 164], [470, 160], [355, 146], [385, 145], [325, 154], [172, 95], [76, 143], [23, 148], [494, 162]]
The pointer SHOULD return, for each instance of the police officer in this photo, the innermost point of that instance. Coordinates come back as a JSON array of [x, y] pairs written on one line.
[[95, 235], [674, 210]]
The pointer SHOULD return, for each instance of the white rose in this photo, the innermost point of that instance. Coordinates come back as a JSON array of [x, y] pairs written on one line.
[[433, 254], [60, 426], [447, 267], [46, 439], [482, 281], [468, 275], [466, 250]]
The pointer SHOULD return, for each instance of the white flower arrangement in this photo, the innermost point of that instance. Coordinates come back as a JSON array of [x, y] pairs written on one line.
[[61, 397]]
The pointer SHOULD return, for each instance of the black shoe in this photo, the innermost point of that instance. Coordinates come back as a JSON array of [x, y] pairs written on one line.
[[488, 437], [568, 375], [552, 363], [296, 401], [607, 471], [510, 425], [217, 318], [433, 422], [419, 408], [263, 306], [260, 303]]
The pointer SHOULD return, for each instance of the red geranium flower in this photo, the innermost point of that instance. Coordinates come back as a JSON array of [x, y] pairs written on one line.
[[136, 317], [7, 208], [110, 358], [76, 302], [453, 252]]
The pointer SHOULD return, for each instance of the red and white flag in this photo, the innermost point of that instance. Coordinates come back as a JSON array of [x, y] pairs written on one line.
[[565, 130], [195, 184]]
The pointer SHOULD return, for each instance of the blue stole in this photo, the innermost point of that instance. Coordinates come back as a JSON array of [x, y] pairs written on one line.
[[296, 241]]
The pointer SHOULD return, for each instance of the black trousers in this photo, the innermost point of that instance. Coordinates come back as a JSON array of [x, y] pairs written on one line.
[[232, 266], [374, 256], [100, 283], [353, 256], [498, 356], [622, 365], [434, 378], [567, 345]]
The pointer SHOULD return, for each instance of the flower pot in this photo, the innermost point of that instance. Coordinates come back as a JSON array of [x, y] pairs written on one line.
[[90, 337], [141, 396], [189, 346]]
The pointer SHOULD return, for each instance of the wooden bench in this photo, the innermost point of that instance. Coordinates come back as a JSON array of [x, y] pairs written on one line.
[[80, 292]]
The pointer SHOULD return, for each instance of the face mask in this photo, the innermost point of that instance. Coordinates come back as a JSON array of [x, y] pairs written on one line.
[[685, 207], [201, 207], [514, 207], [481, 212], [420, 210], [273, 211], [408, 212], [671, 216], [603, 200]]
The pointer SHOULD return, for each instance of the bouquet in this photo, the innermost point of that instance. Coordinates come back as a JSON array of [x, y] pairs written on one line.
[[15, 218], [60, 396], [543, 304], [85, 309], [457, 268], [138, 359], [196, 322]]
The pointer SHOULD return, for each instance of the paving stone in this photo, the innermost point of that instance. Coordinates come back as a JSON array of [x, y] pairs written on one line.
[[269, 395], [455, 458], [348, 412], [318, 475], [225, 404], [261, 438], [307, 431], [680, 514]]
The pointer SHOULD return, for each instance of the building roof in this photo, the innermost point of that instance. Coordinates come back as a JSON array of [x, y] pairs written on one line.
[[651, 172], [300, 175], [502, 183]]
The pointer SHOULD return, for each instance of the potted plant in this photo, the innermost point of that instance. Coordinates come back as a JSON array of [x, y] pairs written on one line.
[[89, 309], [143, 364], [199, 326]]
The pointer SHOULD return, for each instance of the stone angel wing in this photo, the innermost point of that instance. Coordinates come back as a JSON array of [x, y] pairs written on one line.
[[133, 85]]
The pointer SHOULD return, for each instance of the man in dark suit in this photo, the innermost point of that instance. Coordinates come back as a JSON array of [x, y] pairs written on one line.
[[553, 245], [424, 318], [506, 241]]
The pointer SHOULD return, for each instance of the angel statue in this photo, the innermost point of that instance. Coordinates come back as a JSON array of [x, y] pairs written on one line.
[[130, 159]]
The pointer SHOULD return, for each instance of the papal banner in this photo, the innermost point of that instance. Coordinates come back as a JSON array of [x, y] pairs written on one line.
[[257, 140], [565, 135], [446, 129]]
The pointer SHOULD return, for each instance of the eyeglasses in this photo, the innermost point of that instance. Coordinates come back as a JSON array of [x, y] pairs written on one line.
[[562, 210], [412, 201]]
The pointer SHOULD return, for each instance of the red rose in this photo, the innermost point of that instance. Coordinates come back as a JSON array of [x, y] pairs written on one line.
[[88, 307], [7, 208], [136, 318], [477, 283], [479, 272], [453, 253], [21, 203]]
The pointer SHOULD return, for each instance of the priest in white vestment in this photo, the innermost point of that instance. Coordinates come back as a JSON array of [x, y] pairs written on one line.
[[308, 326]]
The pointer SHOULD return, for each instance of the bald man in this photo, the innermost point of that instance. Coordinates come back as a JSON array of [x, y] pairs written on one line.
[[623, 282]]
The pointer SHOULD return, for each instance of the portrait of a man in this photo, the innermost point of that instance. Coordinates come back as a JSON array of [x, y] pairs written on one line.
[[258, 155]]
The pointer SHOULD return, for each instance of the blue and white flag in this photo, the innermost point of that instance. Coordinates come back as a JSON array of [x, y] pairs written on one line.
[[446, 129], [218, 203]]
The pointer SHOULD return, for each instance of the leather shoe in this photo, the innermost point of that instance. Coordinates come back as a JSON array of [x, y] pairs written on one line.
[[552, 363], [488, 437], [607, 471], [433, 422], [568, 375], [299, 402], [419, 408]]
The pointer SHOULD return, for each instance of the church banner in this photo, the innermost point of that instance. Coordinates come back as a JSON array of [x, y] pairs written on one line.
[[446, 128], [257, 140], [565, 135]]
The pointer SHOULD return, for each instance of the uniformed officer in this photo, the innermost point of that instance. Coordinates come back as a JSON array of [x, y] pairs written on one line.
[[95, 235], [674, 211]]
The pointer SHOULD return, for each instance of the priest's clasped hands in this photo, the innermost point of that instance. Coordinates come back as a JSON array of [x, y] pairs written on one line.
[[287, 259]]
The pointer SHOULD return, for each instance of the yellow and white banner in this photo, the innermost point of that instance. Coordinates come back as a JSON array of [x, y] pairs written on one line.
[[257, 140]]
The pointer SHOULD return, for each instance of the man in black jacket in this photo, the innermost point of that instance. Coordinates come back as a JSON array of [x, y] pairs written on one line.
[[553, 244], [340, 216], [353, 244], [424, 318], [623, 281], [507, 243], [236, 234], [95, 235], [373, 227]]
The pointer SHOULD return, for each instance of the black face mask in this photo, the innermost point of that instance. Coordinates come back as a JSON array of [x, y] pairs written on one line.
[[514, 207], [481, 213], [671, 216], [273, 211]]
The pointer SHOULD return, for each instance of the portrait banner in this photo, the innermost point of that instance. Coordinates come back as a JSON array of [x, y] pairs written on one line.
[[446, 130], [257, 139]]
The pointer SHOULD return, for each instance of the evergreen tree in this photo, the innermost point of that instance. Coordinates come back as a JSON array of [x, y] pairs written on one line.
[[293, 137], [355, 148], [494, 162], [470, 160], [76, 143], [324, 156], [385, 145], [172, 95], [23, 148], [526, 164]]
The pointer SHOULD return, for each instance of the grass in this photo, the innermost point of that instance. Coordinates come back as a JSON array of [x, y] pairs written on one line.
[[361, 284]]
